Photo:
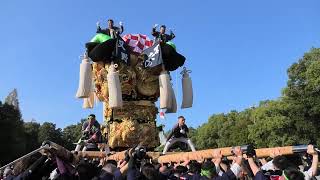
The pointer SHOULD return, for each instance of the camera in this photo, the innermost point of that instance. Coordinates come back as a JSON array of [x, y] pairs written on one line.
[[249, 150], [139, 152]]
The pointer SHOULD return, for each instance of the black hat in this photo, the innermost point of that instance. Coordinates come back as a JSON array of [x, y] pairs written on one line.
[[92, 115], [164, 26]]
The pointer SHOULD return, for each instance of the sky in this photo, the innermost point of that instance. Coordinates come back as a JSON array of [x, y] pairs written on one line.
[[238, 51]]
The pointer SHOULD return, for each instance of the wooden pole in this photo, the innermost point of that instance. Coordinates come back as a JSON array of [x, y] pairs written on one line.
[[182, 156], [206, 154], [196, 155]]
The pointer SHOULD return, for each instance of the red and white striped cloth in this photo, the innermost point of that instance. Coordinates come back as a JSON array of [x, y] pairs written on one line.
[[137, 42]]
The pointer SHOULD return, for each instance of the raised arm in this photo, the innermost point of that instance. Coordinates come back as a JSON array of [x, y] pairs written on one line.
[[121, 27], [255, 169], [171, 36], [315, 159], [98, 27], [154, 32]]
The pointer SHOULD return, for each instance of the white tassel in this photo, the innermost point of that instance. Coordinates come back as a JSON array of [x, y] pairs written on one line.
[[165, 88], [114, 88], [85, 79], [88, 102], [173, 107], [187, 90]]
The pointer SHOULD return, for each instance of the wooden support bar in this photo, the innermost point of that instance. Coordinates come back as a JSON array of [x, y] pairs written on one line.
[[205, 154], [181, 156]]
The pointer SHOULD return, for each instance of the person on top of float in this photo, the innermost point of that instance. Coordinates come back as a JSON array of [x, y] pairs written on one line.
[[161, 35], [112, 31], [178, 134]]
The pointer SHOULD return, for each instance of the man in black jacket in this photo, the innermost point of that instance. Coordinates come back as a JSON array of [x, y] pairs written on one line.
[[178, 134], [112, 30], [161, 35]]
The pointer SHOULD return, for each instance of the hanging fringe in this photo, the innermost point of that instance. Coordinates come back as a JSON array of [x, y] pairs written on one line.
[[173, 107], [187, 90], [91, 101], [88, 103], [114, 87], [165, 90], [85, 78]]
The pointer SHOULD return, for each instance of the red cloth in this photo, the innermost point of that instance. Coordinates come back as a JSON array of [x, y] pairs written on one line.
[[137, 42]]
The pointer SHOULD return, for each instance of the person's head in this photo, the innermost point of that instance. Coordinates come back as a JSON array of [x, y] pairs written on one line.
[[208, 169], [91, 118], [194, 167], [165, 170], [86, 170], [148, 171], [292, 174], [110, 23], [162, 29], [181, 120], [179, 170], [110, 168], [280, 162]]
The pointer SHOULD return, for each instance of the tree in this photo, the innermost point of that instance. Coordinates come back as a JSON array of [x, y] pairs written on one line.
[[291, 119], [207, 134], [11, 133], [71, 134], [302, 93], [12, 99], [48, 131], [234, 131], [31, 130]]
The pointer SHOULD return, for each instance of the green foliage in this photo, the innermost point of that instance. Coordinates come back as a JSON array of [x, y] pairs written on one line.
[[31, 130], [223, 130], [48, 131], [292, 119], [11, 133], [72, 134]]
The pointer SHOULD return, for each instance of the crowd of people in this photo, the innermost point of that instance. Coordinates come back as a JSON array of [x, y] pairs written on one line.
[[137, 165]]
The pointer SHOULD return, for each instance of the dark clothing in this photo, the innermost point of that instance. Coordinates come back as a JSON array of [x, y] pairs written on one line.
[[176, 131], [101, 51], [260, 176], [192, 177], [171, 58], [163, 37], [91, 129], [91, 133], [225, 176], [106, 31]]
